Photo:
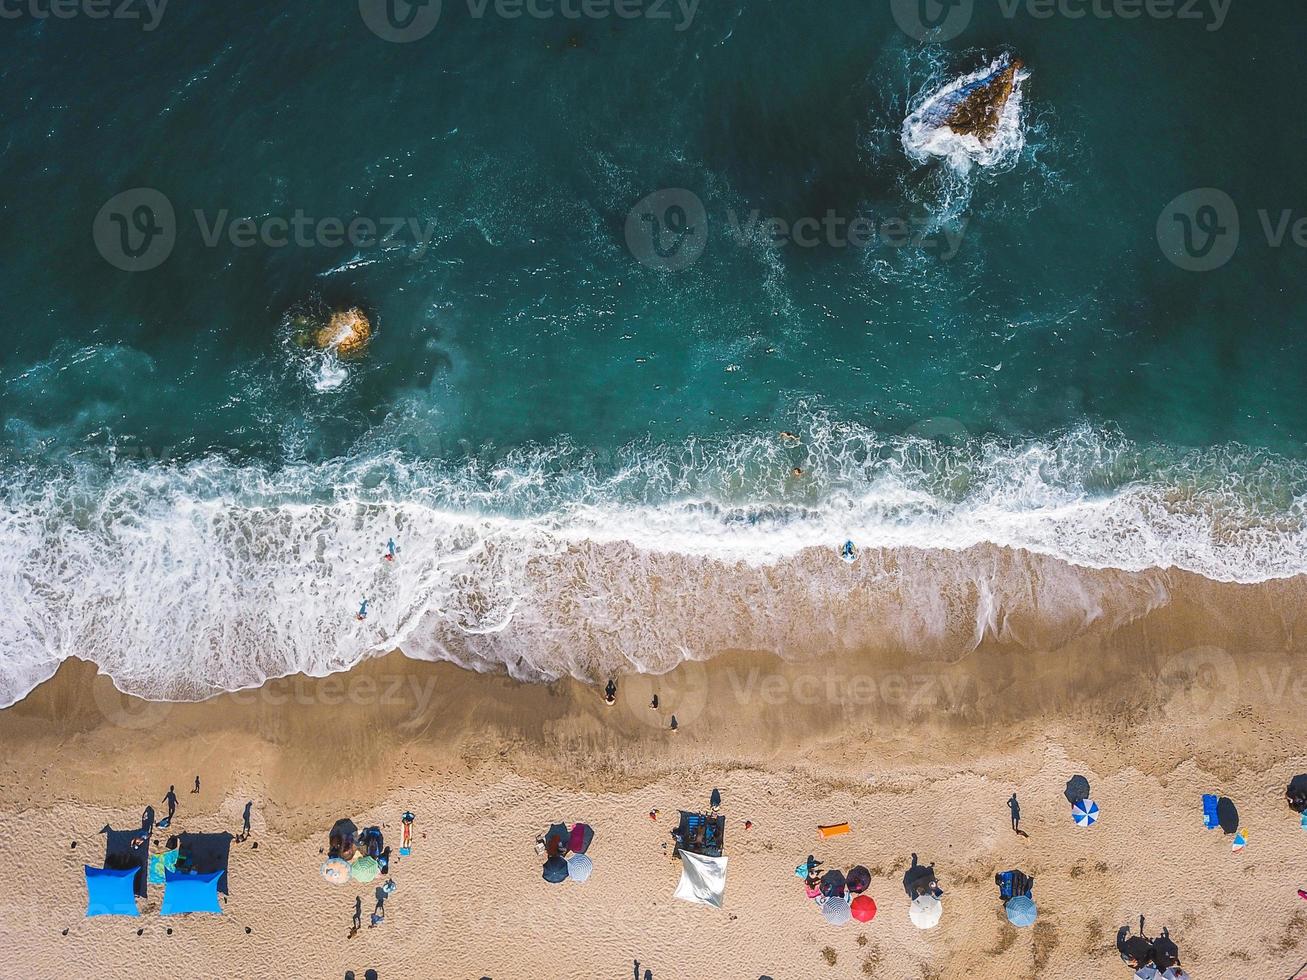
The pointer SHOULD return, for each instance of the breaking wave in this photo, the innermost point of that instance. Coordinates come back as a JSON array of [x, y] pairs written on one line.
[[180, 581]]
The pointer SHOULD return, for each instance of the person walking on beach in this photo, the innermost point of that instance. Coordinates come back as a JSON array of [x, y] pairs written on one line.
[[197, 785], [245, 831], [171, 799], [1015, 807], [358, 914]]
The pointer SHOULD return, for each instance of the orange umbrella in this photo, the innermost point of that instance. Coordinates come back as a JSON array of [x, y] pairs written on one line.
[[863, 908]]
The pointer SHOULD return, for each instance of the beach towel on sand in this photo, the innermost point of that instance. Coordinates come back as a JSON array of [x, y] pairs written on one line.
[[1210, 819], [161, 864]]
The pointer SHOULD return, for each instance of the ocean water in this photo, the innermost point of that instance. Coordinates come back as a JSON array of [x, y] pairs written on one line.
[[567, 441]]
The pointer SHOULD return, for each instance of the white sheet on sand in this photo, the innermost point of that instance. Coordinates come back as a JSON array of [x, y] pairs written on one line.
[[703, 879]]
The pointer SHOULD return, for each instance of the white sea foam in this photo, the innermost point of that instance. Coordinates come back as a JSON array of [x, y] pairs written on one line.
[[180, 581]]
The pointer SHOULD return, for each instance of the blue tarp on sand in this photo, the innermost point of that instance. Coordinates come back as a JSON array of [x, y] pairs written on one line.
[[184, 893], [110, 891]]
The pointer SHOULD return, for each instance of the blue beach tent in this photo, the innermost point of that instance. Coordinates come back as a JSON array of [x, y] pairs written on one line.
[[184, 893], [110, 891]]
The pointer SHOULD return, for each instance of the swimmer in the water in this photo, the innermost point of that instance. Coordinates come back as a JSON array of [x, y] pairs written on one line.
[[797, 471], [391, 550], [363, 611]]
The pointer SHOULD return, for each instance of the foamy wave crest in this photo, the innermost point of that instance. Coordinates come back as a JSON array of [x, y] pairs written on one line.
[[927, 136], [183, 580]]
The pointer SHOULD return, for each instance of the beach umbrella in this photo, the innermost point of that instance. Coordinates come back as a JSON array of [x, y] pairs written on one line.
[[560, 832], [579, 867], [580, 839], [365, 869], [1138, 948], [832, 883], [1085, 813], [926, 911], [836, 911], [1077, 789], [863, 908], [1227, 815], [858, 879], [335, 870], [555, 870], [1021, 911]]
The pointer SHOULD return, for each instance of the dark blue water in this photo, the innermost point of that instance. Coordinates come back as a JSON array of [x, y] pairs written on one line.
[[1033, 371]]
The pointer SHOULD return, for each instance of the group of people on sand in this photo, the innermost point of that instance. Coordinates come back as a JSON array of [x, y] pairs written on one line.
[[610, 698]]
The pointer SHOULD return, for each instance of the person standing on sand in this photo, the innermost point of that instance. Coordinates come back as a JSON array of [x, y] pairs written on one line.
[[1015, 807], [197, 785], [358, 912], [171, 799], [249, 805]]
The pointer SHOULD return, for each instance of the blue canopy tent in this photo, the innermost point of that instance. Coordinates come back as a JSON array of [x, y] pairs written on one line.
[[204, 853], [184, 893], [128, 849], [110, 891]]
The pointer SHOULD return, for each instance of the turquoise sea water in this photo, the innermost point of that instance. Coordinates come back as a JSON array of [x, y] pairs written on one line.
[[180, 476]]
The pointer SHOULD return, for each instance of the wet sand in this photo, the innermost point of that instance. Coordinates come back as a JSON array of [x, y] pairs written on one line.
[[1204, 694]]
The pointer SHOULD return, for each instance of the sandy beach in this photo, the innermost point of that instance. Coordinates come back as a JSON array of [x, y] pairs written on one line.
[[1203, 695]]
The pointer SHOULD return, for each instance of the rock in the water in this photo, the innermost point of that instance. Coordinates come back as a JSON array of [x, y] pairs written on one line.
[[980, 109], [974, 119], [346, 333]]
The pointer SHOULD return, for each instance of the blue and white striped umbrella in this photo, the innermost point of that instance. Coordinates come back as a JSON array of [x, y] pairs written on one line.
[[579, 867], [1085, 812], [1021, 911], [836, 910]]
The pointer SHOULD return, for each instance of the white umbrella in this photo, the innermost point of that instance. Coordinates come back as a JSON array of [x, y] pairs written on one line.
[[579, 867], [926, 912], [335, 870], [836, 911]]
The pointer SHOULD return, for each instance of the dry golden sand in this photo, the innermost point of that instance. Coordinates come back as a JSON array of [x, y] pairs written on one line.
[[1203, 695]]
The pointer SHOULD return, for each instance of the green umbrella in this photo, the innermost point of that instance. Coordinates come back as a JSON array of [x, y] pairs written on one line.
[[365, 869]]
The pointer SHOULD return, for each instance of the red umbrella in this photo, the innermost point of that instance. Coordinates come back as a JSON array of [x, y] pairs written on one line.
[[863, 908]]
